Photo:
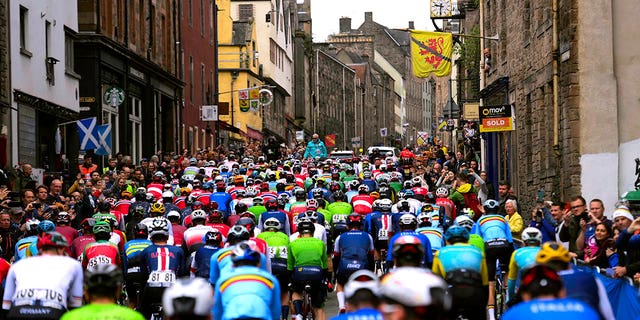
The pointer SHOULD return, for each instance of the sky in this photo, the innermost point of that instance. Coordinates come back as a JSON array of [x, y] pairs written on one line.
[[326, 14]]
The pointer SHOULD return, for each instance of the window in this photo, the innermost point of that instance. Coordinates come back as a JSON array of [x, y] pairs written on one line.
[[190, 9], [196, 135], [191, 79], [24, 30], [203, 91], [202, 20], [68, 51], [246, 12], [135, 125]]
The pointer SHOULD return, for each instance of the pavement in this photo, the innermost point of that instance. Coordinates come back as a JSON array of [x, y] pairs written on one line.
[[331, 306]]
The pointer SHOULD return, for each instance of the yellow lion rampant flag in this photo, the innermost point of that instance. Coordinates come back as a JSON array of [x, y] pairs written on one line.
[[431, 53]]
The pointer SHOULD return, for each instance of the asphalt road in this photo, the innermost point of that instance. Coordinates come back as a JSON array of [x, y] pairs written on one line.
[[331, 306]]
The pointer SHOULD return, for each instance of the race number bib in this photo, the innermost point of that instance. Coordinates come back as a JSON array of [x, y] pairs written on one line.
[[383, 234], [278, 252], [161, 278], [98, 260], [339, 218]]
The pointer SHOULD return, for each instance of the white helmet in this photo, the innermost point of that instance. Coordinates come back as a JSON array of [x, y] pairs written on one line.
[[167, 194], [532, 234], [198, 214], [188, 297], [362, 279], [414, 287], [159, 226], [272, 223], [385, 205], [464, 221], [442, 191]]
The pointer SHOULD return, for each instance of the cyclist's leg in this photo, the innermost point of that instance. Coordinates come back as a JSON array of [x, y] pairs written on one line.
[[151, 296], [491, 259], [318, 297], [341, 280]]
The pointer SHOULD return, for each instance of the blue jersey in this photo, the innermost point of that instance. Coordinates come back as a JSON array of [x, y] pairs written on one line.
[[354, 248], [380, 225], [247, 293], [132, 254], [584, 286], [320, 217], [434, 234], [552, 309], [282, 218], [223, 200], [202, 260], [220, 264], [493, 227], [325, 193], [365, 313], [458, 256], [161, 260], [371, 184], [524, 258], [24, 245], [428, 258]]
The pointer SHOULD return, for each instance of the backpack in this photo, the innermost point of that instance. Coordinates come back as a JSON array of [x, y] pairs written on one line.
[[471, 201]]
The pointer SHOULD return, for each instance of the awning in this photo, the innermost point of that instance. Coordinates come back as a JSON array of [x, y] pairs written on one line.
[[227, 127], [254, 134]]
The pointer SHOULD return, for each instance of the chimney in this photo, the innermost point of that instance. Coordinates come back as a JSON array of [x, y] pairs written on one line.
[[345, 25], [368, 16], [411, 25]]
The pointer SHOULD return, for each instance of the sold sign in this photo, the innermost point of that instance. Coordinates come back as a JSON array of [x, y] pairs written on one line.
[[496, 118]]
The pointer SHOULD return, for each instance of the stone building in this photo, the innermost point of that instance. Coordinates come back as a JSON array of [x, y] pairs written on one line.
[[132, 46], [5, 84], [576, 99]]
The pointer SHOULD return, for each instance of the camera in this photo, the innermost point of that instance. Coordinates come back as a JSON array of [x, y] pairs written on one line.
[[36, 205]]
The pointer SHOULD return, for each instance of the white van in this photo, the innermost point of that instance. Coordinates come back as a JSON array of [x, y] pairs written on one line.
[[382, 151]]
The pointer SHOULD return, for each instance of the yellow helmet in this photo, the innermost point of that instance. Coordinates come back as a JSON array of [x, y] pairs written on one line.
[[157, 208], [553, 251]]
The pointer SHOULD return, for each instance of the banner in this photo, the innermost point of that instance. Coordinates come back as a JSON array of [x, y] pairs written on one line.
[[442, 125], [431, 53], [104, 139], [243, 97], [86, 133], [496, 118], [423, 138], [330, 140]]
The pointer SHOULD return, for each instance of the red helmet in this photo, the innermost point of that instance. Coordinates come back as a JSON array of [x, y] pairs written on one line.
[[220, 184], [52, 239], [271, 204], [354, 219]]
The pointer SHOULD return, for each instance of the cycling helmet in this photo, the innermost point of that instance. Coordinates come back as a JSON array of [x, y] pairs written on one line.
[[491, 206], [312, 204], [244, 251], [317, 193], [32, 225], [363, 188], [338, 195], [63, 217], [385, 205], [354, 184], [101, 276], [104, 206], [532, 235], [362, 280], [237, 233], [464, 221], [198, 214], [552, 251], [101, 228], [408, 244], [167, 196], [469, 212], [427, 208], [258, 201], [195, 205], [354, 220], [407, 185], [187, 298], [87, 225], [157, 208], [272, 224], [241, 207], [141, 230], [247, 222], [150, 197], [415, 288], [213, 237], [46, 226], [310, 215], [417, 182], [51, 239], [159, 226], [173, 214], [442, 192], [271, 204], [403, 206], [300, 193], [408, 194], [366, 174], [456, 234], [407, 221], [306, 227], [429, 198], [424, 219]]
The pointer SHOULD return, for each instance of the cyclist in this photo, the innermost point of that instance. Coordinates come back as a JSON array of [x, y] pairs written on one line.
[[498, 245], [102, 287], [279, 245], [523, 258], [407, 251], [362, 202], [44, 295], [446, 204], [544, 295], [102, 251], [201, 260], [362, 291], [222, 198], [157, 210], [410, 293], [161, 263], [579, 285], [274, 212], [43, 226], [133, 275], [307, 261], [188, 299], [221, 263], [193, 236], [215, 221], [474, 239], [177, 227], [79, 243], [247, 285], [339, 209], [30, 236], [407, 225], [319, 231], [425, 227], [464, 268], [380, 227], [353, 251]]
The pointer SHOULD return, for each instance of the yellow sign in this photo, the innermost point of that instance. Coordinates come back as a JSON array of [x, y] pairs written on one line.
[[471, 111], [431, 53], [254, 94]]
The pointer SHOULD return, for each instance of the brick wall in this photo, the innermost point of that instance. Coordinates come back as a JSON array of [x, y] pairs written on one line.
[[5, 86]]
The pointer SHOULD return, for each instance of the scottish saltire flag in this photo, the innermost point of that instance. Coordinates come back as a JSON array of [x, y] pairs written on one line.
[[86, 133], [103, 133]]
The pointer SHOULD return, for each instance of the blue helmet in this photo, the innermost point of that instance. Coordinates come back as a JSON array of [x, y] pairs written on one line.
[[456, 234], [244, 252], [46, 226], [491, 206]]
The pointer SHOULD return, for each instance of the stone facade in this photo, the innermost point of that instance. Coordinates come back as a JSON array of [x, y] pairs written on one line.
[[5, 82]]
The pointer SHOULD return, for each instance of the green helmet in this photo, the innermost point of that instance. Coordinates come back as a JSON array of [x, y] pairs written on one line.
[[101, 227]]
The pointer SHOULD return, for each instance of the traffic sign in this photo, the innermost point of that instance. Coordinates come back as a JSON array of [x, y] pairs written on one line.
[[209, 113]]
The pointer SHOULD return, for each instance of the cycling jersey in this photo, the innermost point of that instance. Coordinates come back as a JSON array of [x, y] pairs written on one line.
[[149, 223], [354, 249], [257, 211], [194, 237], [493, 227], [362, 204], [551, 309], [100, 252], [278, 246], [307, 252], [78, 245], [584, 286], [319, 233], [428, 255], [223, 228], [102, 311], [247, 286], [380, 226], [460, 256], [163, 264], [31, 293], [339, 211], [436, 239], [223, 200], [220, 264], [280, 215], [22, 246], [200, 264], [521, 259], [476, 241], [132, 254]]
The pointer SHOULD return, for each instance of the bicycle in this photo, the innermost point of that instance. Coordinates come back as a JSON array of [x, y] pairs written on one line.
[[500, 291], [380, 265], [157, 313], [307, 308]]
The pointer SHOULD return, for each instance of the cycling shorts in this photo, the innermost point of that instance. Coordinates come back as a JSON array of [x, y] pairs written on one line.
[[468, 295], [151, 298], [313, 277], [497, 250]]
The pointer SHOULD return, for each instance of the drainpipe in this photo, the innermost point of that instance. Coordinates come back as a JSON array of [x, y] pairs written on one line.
[[317, 91], [556, 117], [482, 79]]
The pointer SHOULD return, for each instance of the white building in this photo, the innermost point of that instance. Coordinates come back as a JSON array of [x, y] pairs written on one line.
[[44, 84]]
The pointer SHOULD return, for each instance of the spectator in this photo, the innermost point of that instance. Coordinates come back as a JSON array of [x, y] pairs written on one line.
[[571, 227], [595, 216], [8, 236], [55, 192], [516, 223], [315, 148], [504, 194], [600, 249], [24, 180], [87, 167]]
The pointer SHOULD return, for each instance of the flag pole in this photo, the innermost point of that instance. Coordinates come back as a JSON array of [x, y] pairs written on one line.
[[495, 37]]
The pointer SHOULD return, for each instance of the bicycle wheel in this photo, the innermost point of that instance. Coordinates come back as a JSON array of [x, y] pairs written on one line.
[[307, 308]]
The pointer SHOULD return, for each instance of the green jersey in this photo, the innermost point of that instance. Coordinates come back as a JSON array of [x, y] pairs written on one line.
[[257, 211], [307, 252], [397, 186], [326, 214], [278, 244], [339, 211], [110, 311], [476, 241]]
